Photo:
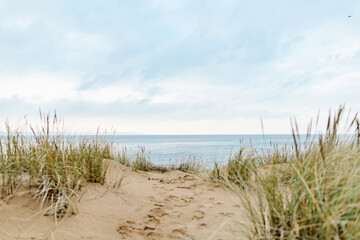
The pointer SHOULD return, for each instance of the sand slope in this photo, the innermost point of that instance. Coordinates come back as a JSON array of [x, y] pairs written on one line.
[[171, 205]]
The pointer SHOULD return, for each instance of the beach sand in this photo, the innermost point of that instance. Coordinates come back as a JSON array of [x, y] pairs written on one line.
[[147, 205]]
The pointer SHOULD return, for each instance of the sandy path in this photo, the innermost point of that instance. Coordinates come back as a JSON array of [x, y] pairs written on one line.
[[172, 205]]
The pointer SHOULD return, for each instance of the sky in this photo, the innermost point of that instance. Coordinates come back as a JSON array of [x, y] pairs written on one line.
[[179, 67]]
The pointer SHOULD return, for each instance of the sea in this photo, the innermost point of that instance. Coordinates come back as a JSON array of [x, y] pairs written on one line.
[[207, 149]]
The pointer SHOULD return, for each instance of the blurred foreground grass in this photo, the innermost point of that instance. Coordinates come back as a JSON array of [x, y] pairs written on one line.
[[309, 191]]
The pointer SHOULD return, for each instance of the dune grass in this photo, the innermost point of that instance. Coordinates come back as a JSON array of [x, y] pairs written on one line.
[[50, 167], [189, 165], [141, 162], [311, 191], [238, 170]]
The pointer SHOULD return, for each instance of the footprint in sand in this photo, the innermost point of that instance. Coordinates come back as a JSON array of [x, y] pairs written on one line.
[[148, 227], [176, 214], [198, 215], [159, 204], [170, 198], [150, 233], [153, 235], [152, 199], [159, 212], [179, 202], [124, 229], [178, 233], [206, 205], [128, 229], [151, 219]]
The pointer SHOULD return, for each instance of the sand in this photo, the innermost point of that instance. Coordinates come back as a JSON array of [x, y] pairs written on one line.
[[147, 205]]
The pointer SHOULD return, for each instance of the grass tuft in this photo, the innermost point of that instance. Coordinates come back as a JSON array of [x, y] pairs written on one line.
[[51, 167], [238, 170], [311, 192], [141, 162]]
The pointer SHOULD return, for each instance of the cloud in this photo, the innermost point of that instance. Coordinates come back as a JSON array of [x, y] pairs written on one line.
[[179, 61]]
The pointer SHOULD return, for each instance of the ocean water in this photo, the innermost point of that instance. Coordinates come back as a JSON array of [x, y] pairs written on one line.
[[167, 149]]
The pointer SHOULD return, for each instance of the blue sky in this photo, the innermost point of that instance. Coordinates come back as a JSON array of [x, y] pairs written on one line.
[[179, 67]]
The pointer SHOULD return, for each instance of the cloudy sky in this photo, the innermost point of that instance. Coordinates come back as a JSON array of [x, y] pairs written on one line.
[[179, 67]]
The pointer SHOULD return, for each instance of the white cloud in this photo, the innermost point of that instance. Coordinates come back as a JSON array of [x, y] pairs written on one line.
[[180, 66], [118, 91], [17, 22], [38, 87]]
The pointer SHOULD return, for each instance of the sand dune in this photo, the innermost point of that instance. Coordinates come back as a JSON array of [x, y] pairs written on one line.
[[147, 205]]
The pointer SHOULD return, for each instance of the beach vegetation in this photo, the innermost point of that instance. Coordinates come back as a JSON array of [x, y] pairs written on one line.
[[310, 191], [50, 167]]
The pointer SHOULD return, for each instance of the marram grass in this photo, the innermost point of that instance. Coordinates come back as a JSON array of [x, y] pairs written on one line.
[[309, 192], [51, 168], [141, 162]]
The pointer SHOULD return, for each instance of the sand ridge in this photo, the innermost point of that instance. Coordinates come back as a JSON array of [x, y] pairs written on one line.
[[147, 205]]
